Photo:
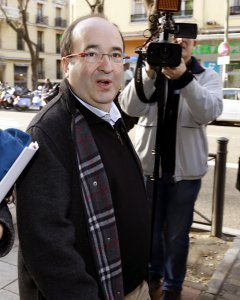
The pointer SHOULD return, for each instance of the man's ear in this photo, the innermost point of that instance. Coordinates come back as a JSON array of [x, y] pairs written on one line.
[[65, 65], [194, 42]]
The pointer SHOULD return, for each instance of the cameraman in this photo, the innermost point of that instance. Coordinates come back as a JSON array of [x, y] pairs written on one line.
[[194, 99]]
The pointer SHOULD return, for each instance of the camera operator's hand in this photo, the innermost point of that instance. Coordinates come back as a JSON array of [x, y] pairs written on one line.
[[175, 73], [150, 70]]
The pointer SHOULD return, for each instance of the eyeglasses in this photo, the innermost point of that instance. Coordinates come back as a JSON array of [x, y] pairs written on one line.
[[95, 57]]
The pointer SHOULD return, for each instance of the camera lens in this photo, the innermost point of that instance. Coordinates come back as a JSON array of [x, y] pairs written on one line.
[[164, 52]]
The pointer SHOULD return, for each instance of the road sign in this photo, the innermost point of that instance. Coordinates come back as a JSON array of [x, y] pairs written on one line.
[[224, 49]]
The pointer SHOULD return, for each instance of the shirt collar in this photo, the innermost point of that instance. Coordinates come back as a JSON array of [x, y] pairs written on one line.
[[111, 117]]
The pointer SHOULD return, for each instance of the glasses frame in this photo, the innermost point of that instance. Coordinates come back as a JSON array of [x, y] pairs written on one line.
[[85, 54]]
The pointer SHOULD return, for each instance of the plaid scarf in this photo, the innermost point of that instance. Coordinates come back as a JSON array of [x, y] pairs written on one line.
[[99, 211]]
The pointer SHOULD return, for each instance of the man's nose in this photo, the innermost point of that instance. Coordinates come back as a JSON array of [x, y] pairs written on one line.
[[106, 62]]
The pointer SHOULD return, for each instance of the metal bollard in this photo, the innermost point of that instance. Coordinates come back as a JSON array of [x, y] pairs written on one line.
[[219, 188]]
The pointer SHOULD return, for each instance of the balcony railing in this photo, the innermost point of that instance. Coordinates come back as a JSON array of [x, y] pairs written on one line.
[[43, 20], [143, 17], [12, 13], [138, 17], [59, 22], [234, 10], [184, 13], [60, 2]]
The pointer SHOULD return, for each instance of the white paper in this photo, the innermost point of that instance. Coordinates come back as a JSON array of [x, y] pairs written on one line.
[[16, 169]]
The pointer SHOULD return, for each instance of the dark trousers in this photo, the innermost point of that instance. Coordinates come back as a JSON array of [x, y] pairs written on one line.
[[173, 220]]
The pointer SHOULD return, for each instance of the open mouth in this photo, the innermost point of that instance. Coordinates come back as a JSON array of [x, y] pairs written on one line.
[[104, 82]]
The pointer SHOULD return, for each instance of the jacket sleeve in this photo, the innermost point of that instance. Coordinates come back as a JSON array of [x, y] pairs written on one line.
[[46, 234], [203, 96], [129, 100], [6, 221]]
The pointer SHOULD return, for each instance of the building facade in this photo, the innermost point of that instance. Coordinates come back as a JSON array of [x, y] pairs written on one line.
[[46, 22], [48, 19], [210, 16]]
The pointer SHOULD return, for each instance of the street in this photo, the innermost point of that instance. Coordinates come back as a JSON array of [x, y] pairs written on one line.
[[10, 118], [204, 203], [232, 195]]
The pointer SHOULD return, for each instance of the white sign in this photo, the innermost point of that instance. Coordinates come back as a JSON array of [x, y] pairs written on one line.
[[223, 60]]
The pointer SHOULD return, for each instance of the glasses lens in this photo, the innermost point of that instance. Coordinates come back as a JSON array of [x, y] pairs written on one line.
[[95, 57], [92, 57]]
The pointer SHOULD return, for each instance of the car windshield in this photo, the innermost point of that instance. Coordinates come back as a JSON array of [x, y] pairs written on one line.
[[231, 94]]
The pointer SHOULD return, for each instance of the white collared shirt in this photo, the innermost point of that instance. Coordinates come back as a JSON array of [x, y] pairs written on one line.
[[111, 117]]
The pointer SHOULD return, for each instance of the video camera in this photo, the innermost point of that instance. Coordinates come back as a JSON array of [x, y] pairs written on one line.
[[160, 52]]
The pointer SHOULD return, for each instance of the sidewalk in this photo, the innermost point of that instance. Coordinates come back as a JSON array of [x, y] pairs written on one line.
[[8, 269], [223, 285], [225, 282]]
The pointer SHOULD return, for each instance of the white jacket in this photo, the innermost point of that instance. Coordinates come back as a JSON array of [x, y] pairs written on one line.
[[200, 102]]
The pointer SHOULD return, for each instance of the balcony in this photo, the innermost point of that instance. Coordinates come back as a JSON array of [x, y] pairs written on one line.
[[138, 17], [12, 13], [234, 10], [42, 20], [59, 22], [184, 13], [60, 2]]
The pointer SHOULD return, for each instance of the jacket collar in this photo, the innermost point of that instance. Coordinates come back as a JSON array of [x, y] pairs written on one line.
[[194, 66]]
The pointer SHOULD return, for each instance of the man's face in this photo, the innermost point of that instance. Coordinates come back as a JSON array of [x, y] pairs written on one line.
[[187, 47], [98, 82]]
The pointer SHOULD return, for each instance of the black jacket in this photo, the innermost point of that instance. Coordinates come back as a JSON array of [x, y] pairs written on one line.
[[7, 240], [55, 259]]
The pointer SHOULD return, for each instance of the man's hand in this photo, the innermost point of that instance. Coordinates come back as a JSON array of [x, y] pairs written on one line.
[[150, 70], [175, 73], [1, 231]]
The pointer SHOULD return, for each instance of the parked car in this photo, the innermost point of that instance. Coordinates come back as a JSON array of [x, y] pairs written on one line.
[[231, 106]]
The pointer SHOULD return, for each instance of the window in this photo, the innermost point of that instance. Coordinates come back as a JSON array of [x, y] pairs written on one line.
[[40, 18], [40, 41], [186, 8], [58, 41], [138, 11], [41, 73], [3, 2], [231, 93], [234, 7], [39, 10], [58, 12], [234, 66], [58, 19], [58, 69], [20, 75], [20, 41]]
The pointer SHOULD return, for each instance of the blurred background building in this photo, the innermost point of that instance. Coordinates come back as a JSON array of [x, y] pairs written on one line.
[[47, 20]]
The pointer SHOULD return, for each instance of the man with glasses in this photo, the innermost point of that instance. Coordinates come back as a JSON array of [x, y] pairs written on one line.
[[194, 99], [82, 212]]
